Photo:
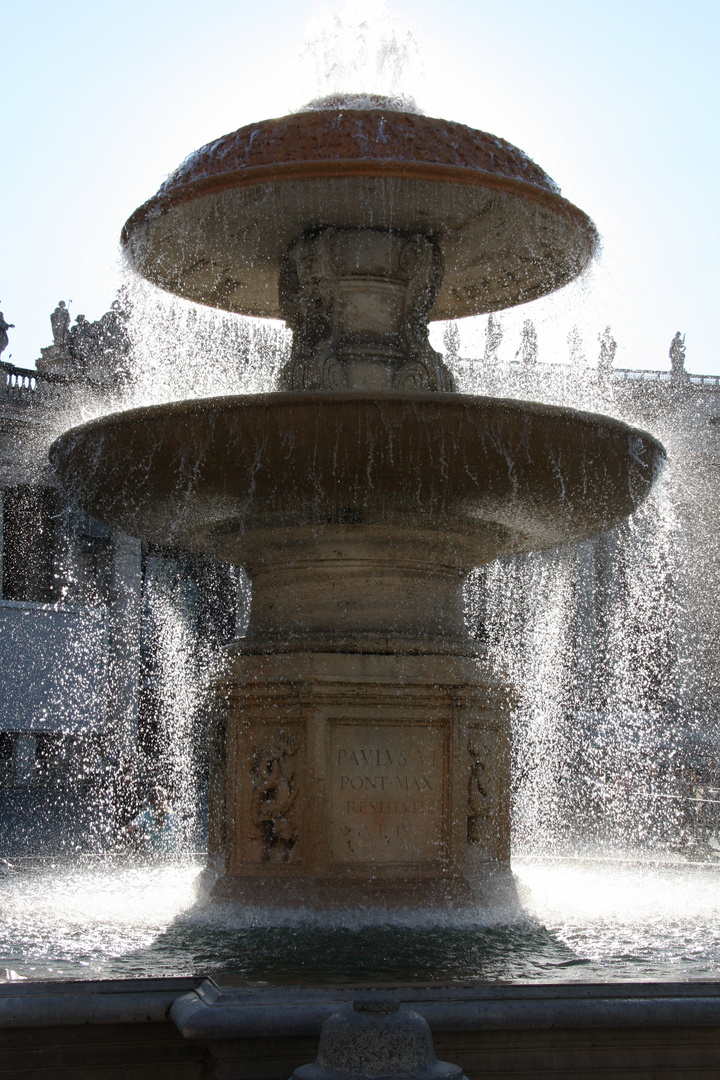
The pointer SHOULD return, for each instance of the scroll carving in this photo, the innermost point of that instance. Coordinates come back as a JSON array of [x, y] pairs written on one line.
[[421, 261], [307, 289], [480, 808]]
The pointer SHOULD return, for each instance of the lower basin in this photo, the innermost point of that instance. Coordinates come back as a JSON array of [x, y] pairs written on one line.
[[481, 477]]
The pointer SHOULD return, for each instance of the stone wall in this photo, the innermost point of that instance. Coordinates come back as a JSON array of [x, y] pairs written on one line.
[[108, 1031]]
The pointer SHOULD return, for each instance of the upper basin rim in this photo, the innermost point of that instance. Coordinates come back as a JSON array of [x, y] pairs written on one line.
[[361, 169]]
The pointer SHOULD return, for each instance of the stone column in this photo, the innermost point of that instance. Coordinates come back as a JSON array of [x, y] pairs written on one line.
[[125, 611]]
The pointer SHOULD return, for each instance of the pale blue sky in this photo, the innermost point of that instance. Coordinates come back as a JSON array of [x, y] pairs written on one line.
[[618, 101]]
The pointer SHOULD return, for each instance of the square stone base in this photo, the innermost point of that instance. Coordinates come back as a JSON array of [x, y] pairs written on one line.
[[371, 779]]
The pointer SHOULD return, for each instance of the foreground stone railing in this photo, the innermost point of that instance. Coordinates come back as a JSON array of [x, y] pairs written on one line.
[[192, 1029]]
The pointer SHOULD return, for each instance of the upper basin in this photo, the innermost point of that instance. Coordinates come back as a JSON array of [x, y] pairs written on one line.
[[484, 476], [219, 228]]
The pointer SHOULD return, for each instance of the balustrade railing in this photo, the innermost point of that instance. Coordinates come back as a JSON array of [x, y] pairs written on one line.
[[640, 375], [25, 386], [707, 382]]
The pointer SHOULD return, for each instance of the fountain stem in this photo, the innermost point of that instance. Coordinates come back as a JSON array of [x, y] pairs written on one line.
[[348, 583], [358, 302]]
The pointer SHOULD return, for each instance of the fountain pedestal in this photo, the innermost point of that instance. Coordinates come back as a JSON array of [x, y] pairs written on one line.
[[357, 301], [362, 755], [368, 778]]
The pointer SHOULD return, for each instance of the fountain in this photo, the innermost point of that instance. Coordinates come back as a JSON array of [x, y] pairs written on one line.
[[360, 747]]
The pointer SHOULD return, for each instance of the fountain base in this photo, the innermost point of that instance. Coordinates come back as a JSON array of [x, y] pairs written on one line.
[[361, 779]]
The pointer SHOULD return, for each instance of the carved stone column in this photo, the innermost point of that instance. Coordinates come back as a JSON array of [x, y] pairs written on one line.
[[357, 301]]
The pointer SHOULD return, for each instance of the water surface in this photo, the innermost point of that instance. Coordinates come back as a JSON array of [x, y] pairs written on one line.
[[587, 920]]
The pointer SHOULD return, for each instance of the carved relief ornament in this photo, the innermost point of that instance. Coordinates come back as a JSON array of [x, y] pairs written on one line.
[[275, 789], [357, 301]]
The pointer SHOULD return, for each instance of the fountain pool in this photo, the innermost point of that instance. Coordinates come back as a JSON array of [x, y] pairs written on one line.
[[586, 920]]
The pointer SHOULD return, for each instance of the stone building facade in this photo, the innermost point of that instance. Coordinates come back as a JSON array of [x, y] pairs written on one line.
[[613, 644], [80, 659]]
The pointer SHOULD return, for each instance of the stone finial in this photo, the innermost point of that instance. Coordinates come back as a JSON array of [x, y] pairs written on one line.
[[57, 359], [60, 323], [608, 348], [357, 301], [575, 346], [377, 1039], [451, 341], [493, 338], [528, 350]]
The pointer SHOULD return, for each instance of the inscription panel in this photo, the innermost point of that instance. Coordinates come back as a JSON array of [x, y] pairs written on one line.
[[385, 792]]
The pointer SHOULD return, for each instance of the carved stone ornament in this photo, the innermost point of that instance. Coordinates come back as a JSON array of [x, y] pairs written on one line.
[[479, 799], [274, 791], [4, 327], [357, 301]]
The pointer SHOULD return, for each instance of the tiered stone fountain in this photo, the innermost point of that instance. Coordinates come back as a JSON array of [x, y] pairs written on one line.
[[361, 752]]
